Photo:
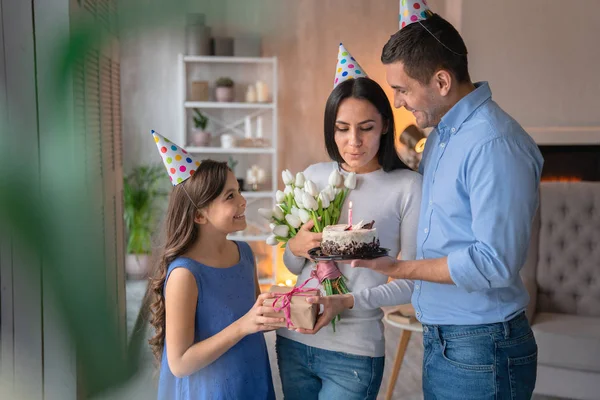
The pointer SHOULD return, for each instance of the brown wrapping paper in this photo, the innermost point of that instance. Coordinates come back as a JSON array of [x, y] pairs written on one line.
[[302, 314]]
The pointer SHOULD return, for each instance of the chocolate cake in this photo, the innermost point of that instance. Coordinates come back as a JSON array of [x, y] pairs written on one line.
[[359, 239]]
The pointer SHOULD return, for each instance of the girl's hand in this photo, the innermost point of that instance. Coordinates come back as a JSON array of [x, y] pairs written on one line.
[[305, 240], [255, 321]]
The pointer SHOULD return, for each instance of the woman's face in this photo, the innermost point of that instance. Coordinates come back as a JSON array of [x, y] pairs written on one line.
[[358, 129]]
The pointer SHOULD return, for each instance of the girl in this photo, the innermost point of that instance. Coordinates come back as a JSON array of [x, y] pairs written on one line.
[[359, 137], [208, 311]]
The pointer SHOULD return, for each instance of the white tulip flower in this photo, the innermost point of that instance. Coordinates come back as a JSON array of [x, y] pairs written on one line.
[[298, 200], [279, 196], [330, 192], [294, 221], [288, 189], [272, 240], [311, 188], [281, 231], [266, 213], [350, 181], [278, 213], [287, 177], [300, 180], [335, 178], [324, 199], [304, 216], [309, 202], [298, 192], [295, 211], [272, 226]]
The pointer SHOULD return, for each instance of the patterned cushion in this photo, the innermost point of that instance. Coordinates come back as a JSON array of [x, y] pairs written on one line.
[[568, 262]]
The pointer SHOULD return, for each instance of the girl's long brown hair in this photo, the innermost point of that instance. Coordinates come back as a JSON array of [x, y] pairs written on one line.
[[180, 233]]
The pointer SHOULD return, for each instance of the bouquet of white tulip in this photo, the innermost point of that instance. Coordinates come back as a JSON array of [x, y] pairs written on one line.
[[301, 202]]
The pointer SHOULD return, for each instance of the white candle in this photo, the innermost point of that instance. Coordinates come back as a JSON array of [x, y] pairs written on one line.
[[259, 127], [350, 213], [262, 92], [248, 128]]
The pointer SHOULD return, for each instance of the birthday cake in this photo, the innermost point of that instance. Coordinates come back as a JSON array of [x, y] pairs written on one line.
[[359, 239]]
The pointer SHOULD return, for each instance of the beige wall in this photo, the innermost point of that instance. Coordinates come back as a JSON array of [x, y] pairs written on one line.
[[541, 58]]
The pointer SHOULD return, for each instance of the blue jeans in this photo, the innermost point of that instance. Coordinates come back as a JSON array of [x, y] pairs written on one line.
[[493, 361], [311, 373]]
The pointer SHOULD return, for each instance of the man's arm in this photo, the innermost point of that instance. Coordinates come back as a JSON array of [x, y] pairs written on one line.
[[502, 179], [431, 270]]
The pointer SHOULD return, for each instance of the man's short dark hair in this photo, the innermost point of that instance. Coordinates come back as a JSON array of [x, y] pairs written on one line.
[[369, 90], [422, 54]]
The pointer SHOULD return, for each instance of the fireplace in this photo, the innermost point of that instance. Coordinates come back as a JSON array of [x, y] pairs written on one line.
[[571, 162]]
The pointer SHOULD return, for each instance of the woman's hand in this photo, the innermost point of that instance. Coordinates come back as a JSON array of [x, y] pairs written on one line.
[[332, 306], [255, 321], [305, 240]]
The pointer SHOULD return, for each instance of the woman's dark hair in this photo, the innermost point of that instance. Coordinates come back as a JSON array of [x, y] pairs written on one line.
[[422, 54], [364, 89]]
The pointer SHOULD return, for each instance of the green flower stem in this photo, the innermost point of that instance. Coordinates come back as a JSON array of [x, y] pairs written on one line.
[[315, 219], [329, 291]]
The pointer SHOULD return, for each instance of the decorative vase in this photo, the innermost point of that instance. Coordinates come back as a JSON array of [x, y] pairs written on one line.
[[197, 36], [137, 266], [224, 93], [201, 138], [227, 141]]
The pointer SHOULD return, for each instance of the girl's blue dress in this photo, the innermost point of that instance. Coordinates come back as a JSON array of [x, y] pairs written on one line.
[[243, 372]]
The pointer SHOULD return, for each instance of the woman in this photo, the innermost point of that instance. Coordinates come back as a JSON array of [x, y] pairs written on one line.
[[359, 137]]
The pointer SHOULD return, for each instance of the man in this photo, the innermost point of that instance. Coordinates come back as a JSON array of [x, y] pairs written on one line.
[[481, 174]]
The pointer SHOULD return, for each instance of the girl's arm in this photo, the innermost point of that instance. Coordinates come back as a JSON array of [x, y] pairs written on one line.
[[183, 355]]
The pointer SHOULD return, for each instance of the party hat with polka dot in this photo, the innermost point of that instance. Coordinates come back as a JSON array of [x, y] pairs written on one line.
[[347, 67], [413, 11], [179, 164]]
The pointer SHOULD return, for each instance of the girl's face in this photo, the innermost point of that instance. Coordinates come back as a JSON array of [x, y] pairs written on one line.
[[358, 130], [226, 213]]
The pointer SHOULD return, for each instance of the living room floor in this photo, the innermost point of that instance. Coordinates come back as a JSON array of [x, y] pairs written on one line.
[[408, 386]]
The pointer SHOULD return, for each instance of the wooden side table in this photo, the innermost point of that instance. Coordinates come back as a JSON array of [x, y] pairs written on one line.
[[407, 330]]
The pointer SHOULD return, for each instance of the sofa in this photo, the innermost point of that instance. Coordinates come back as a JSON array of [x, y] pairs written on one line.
[[562, 275]]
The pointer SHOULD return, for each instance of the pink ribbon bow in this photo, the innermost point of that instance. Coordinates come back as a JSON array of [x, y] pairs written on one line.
[[325, 270], [286, 300]]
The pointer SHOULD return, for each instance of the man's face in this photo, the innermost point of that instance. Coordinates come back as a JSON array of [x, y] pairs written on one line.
[[424, 101]]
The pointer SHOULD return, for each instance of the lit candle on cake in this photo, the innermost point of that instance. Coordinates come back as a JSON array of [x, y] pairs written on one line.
[[350, 213]]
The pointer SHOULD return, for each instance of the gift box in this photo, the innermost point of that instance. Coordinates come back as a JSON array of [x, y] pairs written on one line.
[[293, 307]]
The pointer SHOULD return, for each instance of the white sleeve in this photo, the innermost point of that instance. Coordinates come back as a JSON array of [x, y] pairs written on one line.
[[398, 291], [392, 293], [294, 264]]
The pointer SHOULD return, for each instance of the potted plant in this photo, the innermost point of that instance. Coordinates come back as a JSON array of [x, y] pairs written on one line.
[[141, 192], [200, 136], [224, 91]]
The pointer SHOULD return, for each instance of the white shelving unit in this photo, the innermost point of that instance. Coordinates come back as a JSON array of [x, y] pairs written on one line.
[[244, 71]]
